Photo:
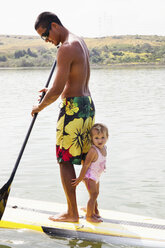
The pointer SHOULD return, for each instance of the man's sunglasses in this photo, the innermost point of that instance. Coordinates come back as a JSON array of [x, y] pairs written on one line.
[[45, 35]]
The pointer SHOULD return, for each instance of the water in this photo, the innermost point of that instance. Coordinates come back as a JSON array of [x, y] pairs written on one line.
[[130, 102]]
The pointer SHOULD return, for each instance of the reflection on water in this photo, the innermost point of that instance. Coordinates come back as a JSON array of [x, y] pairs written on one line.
[[130, 102], [28, 239], [79, 243]]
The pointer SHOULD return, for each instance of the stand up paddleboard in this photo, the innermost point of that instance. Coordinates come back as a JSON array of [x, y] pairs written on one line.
[[116, 228]]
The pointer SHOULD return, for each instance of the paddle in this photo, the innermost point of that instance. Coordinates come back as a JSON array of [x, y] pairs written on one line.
[[5, 190]]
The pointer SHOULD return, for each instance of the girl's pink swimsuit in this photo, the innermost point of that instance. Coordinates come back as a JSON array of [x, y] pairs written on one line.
[[96, 168]]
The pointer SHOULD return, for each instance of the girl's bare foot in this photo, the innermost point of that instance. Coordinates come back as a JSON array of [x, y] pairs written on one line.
[[93, 219], [97, 213], [97, 216]]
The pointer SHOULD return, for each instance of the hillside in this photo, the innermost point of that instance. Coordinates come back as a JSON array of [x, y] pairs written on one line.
[[31, 51]]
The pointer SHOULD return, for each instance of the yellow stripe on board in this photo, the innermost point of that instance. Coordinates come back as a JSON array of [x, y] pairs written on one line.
[[14, 225], [111, 229], [74, 227]]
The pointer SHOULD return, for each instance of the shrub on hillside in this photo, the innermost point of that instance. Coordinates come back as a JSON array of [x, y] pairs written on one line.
[[3, 58], [20, 53]]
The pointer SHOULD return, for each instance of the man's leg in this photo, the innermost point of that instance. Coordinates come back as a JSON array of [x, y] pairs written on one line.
[[67, 172]]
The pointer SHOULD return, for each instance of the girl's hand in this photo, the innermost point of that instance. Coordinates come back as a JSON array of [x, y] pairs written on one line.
[[75, 182]]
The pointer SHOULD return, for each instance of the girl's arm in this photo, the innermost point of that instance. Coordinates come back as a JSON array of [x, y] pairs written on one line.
[[91, 157]]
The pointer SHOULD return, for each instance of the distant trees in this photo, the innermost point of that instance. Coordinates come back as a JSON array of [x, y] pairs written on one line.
[[25, 63], [30, 53], [21, 53], [95, 56], [128, 53], [105, 51], [3, 58]]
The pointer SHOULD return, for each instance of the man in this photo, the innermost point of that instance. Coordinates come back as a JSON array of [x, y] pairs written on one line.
[[77, 111]]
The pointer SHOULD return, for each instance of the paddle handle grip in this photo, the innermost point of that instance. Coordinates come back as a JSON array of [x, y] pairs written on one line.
[[30, 129]]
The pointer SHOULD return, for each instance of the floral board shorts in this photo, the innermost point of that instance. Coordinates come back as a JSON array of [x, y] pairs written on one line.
[[75, 120]]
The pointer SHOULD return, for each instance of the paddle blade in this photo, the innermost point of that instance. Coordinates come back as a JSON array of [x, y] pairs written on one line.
[[4, 193]]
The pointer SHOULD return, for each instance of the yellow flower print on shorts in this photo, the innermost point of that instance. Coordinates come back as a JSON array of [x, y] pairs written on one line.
[[71, 108], [74, 123]]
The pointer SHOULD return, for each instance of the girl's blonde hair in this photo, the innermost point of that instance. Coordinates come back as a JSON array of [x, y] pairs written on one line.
[[100, 128]]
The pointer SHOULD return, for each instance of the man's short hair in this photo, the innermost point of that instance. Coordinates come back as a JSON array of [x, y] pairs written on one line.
[[45, 18]]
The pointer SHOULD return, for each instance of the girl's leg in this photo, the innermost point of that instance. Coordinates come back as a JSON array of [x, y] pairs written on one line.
[[96, 204], [96, 210], [93, 194]]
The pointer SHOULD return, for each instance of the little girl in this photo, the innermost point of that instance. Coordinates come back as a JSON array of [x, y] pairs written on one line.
[[92, 169]]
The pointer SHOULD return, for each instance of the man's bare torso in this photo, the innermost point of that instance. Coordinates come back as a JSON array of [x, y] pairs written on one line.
[[79, 71]]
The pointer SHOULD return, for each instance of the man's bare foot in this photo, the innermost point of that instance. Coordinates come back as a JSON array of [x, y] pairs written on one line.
[[93, 219], [64, 218]]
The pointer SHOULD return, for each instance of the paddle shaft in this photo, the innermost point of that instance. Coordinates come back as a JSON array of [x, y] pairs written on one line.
[[29, 131]]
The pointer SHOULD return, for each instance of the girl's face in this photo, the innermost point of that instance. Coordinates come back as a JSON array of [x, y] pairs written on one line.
[[99, 139]]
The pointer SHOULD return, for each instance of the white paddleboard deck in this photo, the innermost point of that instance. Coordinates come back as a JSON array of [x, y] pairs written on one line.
[[116, 228]]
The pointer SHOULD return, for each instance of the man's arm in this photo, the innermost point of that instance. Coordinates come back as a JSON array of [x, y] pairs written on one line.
[[64, 60]]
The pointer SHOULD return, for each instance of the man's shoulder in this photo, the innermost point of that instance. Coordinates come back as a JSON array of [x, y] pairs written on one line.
[[65, 51], [70, 49], [72, 44], [67, 47]]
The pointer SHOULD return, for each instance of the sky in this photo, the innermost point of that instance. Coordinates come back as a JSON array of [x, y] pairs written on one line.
[[86, 18]]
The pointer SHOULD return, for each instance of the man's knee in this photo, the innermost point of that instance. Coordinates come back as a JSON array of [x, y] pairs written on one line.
[[67, 170]]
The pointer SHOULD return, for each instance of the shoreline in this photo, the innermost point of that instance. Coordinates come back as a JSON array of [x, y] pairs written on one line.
[[113, 66], [127, 66]]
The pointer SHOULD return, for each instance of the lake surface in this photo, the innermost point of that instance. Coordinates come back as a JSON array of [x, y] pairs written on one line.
[[131, 102]]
